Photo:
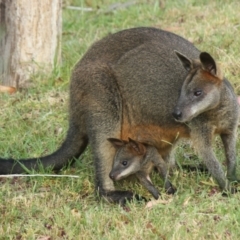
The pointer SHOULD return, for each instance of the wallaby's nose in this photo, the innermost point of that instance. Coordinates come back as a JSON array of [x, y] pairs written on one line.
[[111, 175], [177, 114]]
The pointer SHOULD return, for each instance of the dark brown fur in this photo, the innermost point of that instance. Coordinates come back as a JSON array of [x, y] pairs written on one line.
[[127, 85]]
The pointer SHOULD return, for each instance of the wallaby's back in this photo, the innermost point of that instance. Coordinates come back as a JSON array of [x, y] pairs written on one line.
[[144, 83]]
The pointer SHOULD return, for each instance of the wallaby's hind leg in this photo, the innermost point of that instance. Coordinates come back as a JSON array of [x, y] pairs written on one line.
[[201, 135], [147, 184], [103, 121], [163, 170], [163, 166], [229, 142]]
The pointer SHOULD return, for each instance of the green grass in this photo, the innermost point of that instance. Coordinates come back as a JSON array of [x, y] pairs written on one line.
[[34, 122]]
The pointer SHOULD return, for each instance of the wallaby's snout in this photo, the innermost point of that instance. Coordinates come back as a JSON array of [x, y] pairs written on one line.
[[177, 114], [114, 175], [201, 89], [111, 175]]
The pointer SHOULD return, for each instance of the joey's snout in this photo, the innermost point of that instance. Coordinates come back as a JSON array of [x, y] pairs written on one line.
[[114, 175], [177, 114], [111, 175]]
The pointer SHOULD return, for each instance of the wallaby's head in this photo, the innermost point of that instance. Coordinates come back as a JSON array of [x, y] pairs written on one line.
[[201, 89], [127, 159]]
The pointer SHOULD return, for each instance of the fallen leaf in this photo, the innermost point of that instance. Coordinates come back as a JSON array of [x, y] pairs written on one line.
[[151, 227], [186, 201], [7, 89], [44, 238], [213, 191], [76, 213], [152, 203], [126, 209]]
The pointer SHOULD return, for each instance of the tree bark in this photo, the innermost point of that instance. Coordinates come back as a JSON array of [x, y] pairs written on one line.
[[30, 36]]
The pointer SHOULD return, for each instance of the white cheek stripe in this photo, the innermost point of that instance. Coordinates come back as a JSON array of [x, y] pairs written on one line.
[[193, 111], [202, 106], [128, 171]]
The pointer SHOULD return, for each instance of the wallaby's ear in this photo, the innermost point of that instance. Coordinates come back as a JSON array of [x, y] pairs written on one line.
[[208, 63], [186, 62], [117, 143], [137, 147]]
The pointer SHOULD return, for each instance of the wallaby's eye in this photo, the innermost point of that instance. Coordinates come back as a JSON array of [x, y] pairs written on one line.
[[124, 163], [197, 93]]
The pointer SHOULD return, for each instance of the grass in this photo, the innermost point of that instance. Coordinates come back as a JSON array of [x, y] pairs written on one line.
[[34, 122]]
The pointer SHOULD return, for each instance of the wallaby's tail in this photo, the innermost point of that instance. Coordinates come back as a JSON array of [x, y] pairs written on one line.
[[72, 147]]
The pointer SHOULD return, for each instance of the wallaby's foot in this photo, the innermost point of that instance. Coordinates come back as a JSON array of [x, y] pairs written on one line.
[[170, 189], [135, 197], [155, 193], [192, 168], [233, 190], [122, 197], [139, 198]]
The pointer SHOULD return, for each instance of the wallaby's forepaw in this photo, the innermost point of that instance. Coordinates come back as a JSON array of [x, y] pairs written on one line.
[[155, 194], [171, 190], [123, 197]]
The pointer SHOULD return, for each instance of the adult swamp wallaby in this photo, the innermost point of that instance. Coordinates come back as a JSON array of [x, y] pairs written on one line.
[[132, 84], [133, 157]]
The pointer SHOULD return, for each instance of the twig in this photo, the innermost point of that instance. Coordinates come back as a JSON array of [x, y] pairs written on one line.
[[80, 8], [37, 175]]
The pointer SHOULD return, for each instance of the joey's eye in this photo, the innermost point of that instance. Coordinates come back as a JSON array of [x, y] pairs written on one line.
[[124, 163], [197, 93]]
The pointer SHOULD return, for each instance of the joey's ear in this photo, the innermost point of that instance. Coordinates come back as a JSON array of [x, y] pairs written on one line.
[[117, 143], [208, 63], [137, 147], [186, 62]]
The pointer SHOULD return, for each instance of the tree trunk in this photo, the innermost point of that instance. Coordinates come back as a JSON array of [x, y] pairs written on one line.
[[30, 36]]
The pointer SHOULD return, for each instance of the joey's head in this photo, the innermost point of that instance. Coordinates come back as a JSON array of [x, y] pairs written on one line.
[[201, 89], [127, 159]]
